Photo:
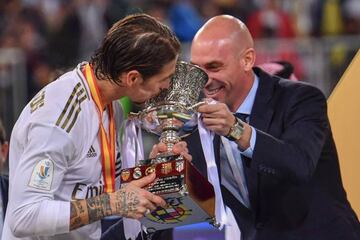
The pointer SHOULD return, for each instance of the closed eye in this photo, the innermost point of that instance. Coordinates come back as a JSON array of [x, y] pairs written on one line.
[[214, 66], [167, 78]]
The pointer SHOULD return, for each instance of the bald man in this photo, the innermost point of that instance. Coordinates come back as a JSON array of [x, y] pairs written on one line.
[[278, 163]]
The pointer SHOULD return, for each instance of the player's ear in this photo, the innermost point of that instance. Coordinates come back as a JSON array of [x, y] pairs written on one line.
[[132, 78]]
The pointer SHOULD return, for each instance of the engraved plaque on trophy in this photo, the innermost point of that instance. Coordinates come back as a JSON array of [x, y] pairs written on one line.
[[190, 197]]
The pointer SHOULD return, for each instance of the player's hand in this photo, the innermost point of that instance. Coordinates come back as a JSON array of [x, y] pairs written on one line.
[[134, 201], [179, 148]]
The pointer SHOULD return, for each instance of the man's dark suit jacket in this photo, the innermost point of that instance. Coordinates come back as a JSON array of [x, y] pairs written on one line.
[[4, 188], [293, 178], [114, 230]]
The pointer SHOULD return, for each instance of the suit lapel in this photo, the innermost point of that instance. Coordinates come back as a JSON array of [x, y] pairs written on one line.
[[260, 118], [262, 111]]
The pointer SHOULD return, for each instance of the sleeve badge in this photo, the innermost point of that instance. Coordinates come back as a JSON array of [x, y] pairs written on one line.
[[42, 175]]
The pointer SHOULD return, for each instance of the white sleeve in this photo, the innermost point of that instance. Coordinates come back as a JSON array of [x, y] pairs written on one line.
[[38, 175]]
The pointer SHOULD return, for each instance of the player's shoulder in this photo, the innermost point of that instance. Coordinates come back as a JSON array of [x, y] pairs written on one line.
[[61, 101]]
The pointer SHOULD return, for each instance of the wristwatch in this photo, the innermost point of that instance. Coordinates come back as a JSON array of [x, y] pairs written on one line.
[[236, 130]]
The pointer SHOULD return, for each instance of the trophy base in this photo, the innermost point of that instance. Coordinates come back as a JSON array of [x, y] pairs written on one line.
[[190, 197]]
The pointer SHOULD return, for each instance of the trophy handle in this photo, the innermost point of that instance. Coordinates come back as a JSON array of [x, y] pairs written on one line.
[[196, 105]]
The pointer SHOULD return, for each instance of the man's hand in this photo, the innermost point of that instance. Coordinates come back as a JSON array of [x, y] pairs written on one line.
[[134, 201], [179, 148], [217, 118]]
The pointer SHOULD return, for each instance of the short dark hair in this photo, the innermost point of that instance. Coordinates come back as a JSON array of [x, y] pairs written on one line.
[[137, 42], [2, 133]]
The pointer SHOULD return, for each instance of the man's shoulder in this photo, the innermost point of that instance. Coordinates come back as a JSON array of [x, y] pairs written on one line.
[[60, 101], [298, 87], [69, 84], [285, 90], [282, 83]]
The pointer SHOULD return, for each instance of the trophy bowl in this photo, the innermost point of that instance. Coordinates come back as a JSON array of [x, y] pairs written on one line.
[[172, 113], [190, 197]]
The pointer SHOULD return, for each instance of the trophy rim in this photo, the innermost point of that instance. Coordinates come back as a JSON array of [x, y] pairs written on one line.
[[164, 103]]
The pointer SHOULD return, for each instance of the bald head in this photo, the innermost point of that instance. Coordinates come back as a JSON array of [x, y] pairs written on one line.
[[223, 47], [226, 28]]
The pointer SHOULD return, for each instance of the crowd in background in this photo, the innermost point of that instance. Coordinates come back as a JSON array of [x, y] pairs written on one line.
[[56, 34]]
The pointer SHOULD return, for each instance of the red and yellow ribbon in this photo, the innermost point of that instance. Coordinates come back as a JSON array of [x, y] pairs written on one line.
[[107, 144]]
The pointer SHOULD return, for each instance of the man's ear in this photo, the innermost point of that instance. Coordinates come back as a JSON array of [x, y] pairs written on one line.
[[249, 59], [132, 78]]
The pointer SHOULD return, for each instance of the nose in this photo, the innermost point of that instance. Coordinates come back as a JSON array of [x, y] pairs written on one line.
[[166, 85], [209, 81]]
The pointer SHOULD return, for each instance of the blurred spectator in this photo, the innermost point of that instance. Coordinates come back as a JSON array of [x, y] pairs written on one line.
[[159, 9], [327, 18], [300, 14], [64, 37], [340, 54], [238, 8], [270, 21], [92, 24], [184, 19], [4, 147], [351, 13], [281, 69], [4, 182]]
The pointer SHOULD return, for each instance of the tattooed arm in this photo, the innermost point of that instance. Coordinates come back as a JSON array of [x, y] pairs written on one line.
[[130, 201]]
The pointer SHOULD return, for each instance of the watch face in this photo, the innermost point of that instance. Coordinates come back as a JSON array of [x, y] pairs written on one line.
[[237, 132]]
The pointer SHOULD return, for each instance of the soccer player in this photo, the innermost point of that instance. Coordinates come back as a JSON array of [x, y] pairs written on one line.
[[64, 149]]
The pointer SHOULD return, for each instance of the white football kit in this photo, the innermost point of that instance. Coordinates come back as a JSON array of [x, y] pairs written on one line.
[[55, 157]]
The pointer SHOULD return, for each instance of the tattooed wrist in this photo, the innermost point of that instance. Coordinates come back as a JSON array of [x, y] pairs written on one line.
[[126, 202], [98, 207], [118, 201]]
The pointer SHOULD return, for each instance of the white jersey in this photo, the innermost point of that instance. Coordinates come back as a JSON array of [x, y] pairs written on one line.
[[55, 157]]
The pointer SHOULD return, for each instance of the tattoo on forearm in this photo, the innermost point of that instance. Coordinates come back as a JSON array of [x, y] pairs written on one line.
[[76, 215], [123, 205], [105, 200], [84, 212], [98, 207]]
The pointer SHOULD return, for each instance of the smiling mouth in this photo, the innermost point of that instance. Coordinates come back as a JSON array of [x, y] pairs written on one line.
[[213, 91]]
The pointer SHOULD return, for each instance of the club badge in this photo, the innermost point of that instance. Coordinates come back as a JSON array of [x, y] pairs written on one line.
[[150, 170], [179, 166], [125, 174], [137, 173], [166, 168]]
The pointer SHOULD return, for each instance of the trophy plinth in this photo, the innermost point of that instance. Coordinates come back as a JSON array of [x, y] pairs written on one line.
[[190, 197]]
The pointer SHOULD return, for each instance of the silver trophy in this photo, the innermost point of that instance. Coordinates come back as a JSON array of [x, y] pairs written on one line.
[[190, 197], [172, 113]]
